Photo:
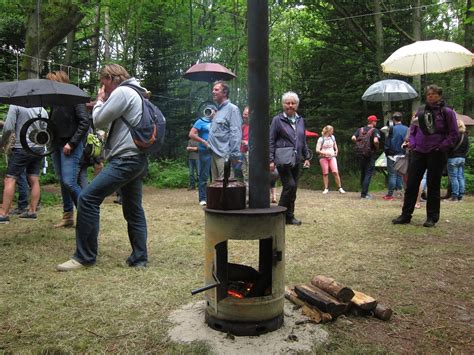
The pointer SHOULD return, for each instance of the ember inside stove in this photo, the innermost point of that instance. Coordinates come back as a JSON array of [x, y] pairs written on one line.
[[241, 299]]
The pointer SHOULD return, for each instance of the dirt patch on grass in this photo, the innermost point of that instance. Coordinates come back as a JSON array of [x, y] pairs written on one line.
[[296, 334], [423, 274]]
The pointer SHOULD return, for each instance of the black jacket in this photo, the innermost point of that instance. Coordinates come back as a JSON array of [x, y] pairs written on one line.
[[71, 123], [460, 149]]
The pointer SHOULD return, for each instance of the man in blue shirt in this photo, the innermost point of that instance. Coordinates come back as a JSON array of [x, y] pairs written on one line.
[[200, 133], [225, 135], [393, 147]]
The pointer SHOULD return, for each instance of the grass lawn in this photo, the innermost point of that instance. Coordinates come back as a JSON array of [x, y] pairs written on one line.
[[423, 274]]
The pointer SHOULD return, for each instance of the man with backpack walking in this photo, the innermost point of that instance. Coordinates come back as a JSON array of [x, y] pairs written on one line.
[[119, 106], [366, 141]]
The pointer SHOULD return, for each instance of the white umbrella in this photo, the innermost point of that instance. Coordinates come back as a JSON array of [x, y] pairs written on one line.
[[389, 90], [425, 57]]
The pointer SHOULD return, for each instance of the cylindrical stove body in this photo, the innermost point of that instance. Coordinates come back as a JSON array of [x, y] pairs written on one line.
[[252, 314]]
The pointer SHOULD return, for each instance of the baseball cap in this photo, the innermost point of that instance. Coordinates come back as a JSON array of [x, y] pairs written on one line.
[[372, 118]]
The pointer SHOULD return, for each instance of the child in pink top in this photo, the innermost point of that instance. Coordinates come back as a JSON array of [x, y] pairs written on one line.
[[326, 147]]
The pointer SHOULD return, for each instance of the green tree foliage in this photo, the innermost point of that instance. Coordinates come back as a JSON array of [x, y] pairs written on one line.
[[322, 49]]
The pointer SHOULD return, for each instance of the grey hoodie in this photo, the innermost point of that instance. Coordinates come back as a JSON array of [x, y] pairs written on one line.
[[123, 102]]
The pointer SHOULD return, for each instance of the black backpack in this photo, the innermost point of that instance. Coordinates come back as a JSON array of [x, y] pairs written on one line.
[[149, 134], [363, 144]]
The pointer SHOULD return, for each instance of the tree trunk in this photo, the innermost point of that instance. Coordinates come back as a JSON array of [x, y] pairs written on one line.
[[106, 35], [417, 36], [41, 36], [380, 53], [468, 108], [95, 48], [69, 47]]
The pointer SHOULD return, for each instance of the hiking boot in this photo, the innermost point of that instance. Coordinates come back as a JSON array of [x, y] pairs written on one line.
[[429, 223], [325, 191], [4, 219], [401, 220], [67, 221], [341, 190], [388, 198], [69, 265], [29, 215]]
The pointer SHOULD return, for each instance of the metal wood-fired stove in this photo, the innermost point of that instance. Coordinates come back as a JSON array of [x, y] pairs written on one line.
[[240, 299]]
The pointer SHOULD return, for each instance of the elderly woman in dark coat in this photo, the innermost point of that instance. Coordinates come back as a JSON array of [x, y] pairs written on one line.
[[288, 130]]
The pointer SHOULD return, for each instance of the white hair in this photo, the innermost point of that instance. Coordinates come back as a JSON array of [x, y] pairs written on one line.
[[290, 95]]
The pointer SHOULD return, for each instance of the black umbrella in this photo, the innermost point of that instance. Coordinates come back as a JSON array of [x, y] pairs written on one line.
[[41, 92]]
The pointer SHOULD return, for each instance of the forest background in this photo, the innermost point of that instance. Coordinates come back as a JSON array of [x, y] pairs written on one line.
[[329, 52]]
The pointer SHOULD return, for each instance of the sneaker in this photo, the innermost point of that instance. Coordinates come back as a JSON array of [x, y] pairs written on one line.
[[29, 215], [366, 197], [202, 203], [325, 191], [4, 219], [388, 198], [341, 190], [18, 211], [69, 265]]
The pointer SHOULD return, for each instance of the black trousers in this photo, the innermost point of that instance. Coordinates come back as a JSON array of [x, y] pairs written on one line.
[[289, 180], [433, 162]]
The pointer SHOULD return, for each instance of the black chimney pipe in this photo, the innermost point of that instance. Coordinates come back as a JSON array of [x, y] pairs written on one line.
[[259, 174]]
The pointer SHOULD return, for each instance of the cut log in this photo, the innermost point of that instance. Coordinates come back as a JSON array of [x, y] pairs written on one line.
[[342, 293], [382, 312], [308, 310], [364, 301], [323, 300], [359, 312]]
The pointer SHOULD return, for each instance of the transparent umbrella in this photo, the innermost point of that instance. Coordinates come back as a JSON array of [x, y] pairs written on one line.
[[389, 90], [425, 57]]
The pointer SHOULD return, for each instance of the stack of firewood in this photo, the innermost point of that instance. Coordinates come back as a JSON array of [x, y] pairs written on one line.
[[324, 299]]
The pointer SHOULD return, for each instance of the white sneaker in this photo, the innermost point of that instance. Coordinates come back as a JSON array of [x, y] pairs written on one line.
[[325, 191], [202, 203], [69, 265], [341, 190]]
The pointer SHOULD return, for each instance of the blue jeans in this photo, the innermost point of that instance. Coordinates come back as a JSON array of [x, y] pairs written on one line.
[[193, 166], [456, 176], [204, 169], [67, 168], [367, 166], [395, 181], [120, 173]]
